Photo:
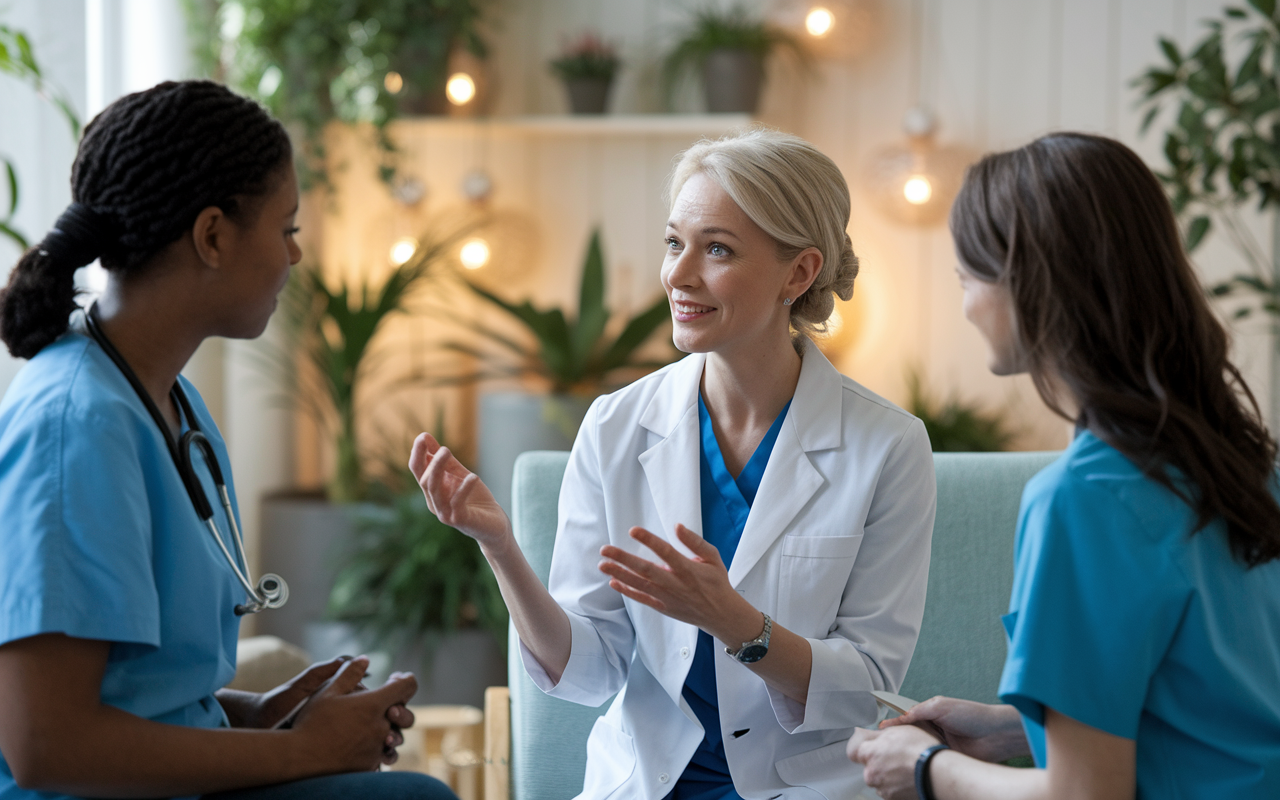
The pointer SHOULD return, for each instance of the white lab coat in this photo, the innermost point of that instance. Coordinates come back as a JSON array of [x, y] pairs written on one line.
[[836, 549]]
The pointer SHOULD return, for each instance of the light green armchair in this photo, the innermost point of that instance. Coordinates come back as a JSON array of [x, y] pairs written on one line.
[[960, 652]]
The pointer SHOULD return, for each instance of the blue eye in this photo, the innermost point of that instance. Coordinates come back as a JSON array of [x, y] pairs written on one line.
[[672, 244], [719, 250]]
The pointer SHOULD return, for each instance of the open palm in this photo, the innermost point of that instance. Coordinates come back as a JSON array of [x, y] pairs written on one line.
[[455, 494]]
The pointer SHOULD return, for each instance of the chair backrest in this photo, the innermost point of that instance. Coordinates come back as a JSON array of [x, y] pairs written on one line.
[[961, 648]]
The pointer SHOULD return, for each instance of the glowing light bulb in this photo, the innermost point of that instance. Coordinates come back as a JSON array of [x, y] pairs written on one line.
[[474, 254], [403, 250], [917, 190], [461, 88], [394, 82], [819, 22]]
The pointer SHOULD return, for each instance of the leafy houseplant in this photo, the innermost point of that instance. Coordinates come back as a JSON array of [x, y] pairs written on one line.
[[954, 425], [576, 357], [1223, 145], [587, 66], [410, 574], [729, 47], [313, 62], [332, 329], [18, 59]]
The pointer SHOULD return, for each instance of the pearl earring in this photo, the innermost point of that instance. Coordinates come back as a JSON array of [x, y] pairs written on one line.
[[787, 302]]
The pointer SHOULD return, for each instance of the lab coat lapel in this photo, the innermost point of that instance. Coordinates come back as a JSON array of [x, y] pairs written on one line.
[[671, 466], [790, 480]]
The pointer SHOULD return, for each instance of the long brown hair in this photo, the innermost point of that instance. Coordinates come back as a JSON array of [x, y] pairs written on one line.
[[1109, 311]]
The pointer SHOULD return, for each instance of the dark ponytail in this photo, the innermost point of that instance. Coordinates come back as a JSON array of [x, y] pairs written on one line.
[[146, 167], [1109, 309]]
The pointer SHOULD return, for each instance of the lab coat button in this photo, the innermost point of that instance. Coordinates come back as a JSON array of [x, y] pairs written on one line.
[[684, 652], [663, 778]]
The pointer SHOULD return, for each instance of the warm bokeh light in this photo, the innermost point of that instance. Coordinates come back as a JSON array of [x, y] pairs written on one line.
[[474, 254], [394, 82], [819, 22], [917, 190], [403, 250], [461, 88]]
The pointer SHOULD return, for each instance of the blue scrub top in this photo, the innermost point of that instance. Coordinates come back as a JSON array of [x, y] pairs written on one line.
[[1123, 620], [726, 502], [100, 540]]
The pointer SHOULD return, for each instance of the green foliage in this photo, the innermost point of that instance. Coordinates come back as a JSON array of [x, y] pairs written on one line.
[[734, 28], [313, 61], [587, 57], [17, 59], [332, 328], [574, 356], [954, 425], [1222, 146], [411, 574]]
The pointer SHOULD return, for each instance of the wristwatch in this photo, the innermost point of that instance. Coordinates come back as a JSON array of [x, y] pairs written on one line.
[[754, 650]]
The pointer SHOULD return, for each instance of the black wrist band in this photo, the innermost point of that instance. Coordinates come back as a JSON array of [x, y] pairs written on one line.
[[924, 790]]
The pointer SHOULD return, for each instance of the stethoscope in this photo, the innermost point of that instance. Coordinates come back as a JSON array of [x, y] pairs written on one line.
[[271, 590]]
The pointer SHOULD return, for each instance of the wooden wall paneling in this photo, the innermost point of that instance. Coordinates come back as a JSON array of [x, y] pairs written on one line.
[[1018, 91]]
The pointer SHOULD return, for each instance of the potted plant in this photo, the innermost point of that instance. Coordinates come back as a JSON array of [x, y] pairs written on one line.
[[331, 332], [419, 589], [728, 47], [955, 425], [358, 61], [587, 66], [577, 359], [18, 59]]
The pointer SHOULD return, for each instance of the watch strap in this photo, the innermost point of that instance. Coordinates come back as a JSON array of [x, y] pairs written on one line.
[[762, 639], [924, 789]]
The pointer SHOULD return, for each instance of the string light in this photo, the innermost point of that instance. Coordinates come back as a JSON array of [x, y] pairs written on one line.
[[461, 88], [819, 22], [474, 254], [403, 250], [393, 82]]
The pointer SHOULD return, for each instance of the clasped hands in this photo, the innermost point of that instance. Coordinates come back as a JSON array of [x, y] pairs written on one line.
[[331, 694]]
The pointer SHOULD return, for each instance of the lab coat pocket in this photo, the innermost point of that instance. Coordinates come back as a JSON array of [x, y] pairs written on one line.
[[815, 570], [826, 770], [611, 758]]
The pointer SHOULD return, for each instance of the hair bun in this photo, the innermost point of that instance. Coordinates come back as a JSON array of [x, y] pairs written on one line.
[[79, 236]]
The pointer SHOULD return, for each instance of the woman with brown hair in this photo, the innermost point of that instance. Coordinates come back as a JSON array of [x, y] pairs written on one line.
[[1144, 627]]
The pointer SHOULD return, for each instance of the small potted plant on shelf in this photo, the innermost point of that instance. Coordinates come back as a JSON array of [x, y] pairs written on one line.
[[586, 66], [729, 48]]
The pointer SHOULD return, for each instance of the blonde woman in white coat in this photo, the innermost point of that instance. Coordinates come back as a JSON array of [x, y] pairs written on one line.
[[745, 680]]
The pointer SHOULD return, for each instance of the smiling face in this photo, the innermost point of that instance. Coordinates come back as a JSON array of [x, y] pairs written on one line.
[[723, 277], [989, 307], [258, 257]]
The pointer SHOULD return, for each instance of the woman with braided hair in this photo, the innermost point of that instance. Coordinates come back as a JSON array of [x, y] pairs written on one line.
[[118, 614]]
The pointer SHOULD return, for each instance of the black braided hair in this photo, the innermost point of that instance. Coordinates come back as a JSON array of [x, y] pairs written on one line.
[[146, 167]]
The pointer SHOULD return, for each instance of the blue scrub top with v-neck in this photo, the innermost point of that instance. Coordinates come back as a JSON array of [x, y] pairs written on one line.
[[726, 502]]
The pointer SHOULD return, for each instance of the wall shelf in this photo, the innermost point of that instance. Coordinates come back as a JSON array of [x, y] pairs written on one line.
[[596, 125]]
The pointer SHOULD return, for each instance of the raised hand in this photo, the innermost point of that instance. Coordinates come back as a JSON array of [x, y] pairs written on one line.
[[456, 495], [693, 590], [985, 732]]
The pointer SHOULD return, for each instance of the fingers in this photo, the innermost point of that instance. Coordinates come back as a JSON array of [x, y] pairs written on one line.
[[933, 708], [699, 546], [398, 690], [660, 547], [637, 595], [420, 456], [348, 677], [400, 716], [315, 676], [854, 749]]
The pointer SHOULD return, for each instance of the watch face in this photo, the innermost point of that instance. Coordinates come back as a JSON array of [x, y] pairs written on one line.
[[752, 653]]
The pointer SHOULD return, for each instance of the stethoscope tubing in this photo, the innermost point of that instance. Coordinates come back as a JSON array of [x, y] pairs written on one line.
[[271, 590]]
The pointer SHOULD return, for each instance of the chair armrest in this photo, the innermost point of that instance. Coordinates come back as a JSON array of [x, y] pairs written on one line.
[[497, 743]]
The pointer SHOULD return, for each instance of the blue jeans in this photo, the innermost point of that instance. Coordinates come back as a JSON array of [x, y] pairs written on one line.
[[348, 786]]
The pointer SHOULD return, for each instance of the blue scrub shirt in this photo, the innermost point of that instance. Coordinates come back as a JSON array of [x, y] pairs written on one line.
[[100, 540], [1123, 620], [726, 502]]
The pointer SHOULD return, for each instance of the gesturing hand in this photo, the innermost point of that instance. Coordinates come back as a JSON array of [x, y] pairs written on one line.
[[693, 590], [456, 495]]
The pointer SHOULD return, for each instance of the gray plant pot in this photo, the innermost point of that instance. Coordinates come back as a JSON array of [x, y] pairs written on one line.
[[731, 81], [588, 95], [304, 540], [511, 423]]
